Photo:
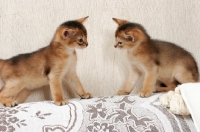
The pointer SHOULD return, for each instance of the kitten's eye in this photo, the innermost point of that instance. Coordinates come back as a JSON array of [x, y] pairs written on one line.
[[80, 40], [119, 43]]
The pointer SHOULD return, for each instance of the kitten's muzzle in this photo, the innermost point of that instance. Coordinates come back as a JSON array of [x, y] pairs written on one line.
[[118, 46], [84, 44]]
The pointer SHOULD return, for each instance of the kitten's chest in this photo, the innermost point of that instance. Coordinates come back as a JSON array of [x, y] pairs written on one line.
[[70, 62], [135, 61]]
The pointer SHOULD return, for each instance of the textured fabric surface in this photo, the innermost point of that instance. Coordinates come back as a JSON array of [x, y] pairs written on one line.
[[27, 25], [100, 114]]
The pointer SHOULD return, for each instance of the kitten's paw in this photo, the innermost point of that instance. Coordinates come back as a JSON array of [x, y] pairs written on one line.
[[61, 102], [8, 102], [123, 92], [145, 94], [85, 96]]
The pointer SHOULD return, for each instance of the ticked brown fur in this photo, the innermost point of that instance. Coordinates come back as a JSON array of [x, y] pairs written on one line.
[[157, 60], [47, 66]]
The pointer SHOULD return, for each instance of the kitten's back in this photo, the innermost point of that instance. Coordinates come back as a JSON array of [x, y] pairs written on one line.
[[170, 50], [171, 54]]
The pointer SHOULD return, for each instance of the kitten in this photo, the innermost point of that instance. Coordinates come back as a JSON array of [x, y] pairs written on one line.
[[49, 65], [157, 60]]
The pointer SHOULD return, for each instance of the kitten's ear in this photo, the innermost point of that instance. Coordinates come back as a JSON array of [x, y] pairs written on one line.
[[129, 36], [120, 21], [66, 33], [81, 20]]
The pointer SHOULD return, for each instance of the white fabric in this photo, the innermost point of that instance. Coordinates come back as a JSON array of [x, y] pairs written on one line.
[[41, 116], [191, 95], [98, 114]]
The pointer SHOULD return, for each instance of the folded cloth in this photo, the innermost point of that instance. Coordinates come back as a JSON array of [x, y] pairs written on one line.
[[191, 95]]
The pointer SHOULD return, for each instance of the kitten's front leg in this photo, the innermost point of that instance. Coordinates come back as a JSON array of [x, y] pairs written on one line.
[[9, 91], [148, 84], [22, 95], [75, 83], [130, 82], [56, 90]]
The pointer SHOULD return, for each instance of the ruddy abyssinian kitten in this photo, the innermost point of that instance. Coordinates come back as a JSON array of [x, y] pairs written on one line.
[[46, 66], [157, 60]]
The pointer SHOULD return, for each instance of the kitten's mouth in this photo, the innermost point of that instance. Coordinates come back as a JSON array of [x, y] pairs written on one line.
[[118, 46], [83, 45]]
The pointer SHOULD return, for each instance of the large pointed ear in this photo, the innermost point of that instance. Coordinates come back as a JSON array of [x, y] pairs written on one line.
[[81, 20], [120, 21], [130, 36], [67, 33]]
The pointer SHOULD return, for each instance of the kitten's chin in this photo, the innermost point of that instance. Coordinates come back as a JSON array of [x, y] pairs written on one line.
[[81, 47], [120, 48]]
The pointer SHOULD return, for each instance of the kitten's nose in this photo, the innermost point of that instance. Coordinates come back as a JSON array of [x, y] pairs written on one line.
[[86, 44], [115, 46]]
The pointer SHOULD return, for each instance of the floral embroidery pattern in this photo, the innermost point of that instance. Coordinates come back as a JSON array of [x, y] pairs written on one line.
[[97, 110], [102, 127], [121, 114], [118, 116], [6, 128], [100, 114], [103, 99], [42, 116], [8, 121]]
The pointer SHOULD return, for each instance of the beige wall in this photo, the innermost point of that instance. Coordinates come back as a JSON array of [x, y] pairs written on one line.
[[27, 25]]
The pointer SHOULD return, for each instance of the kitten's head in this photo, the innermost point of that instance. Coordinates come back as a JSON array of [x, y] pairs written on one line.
[[129, 34], [73, 34]]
